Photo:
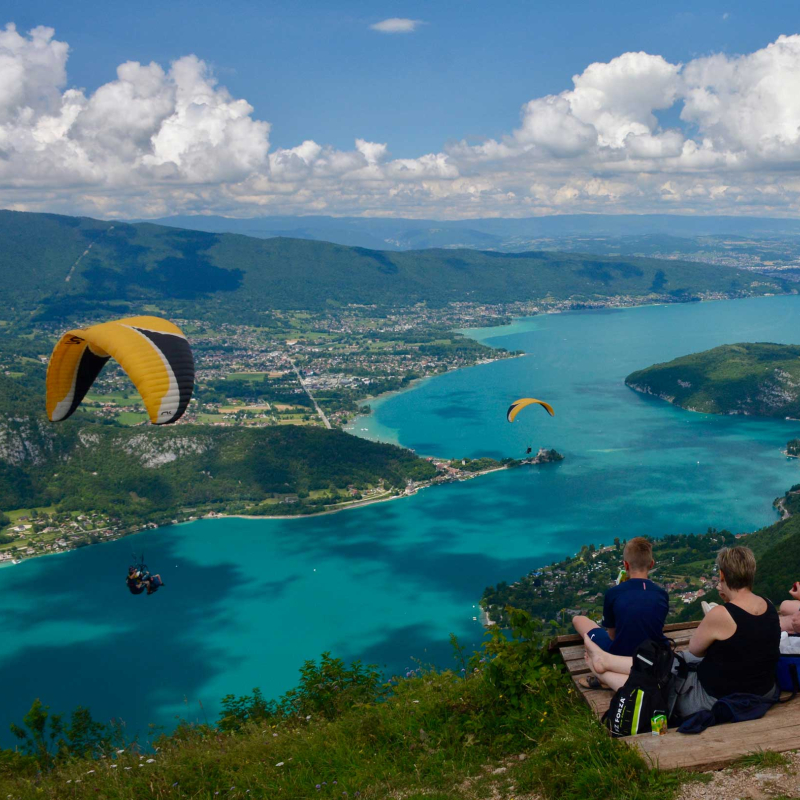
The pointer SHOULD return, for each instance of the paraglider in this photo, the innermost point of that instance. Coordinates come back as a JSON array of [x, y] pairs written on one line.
[[153, 352], [139, 578], [524, 402]]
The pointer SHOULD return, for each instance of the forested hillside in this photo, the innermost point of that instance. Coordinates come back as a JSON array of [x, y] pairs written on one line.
[[54, 267], [135, 473], [759, 379]]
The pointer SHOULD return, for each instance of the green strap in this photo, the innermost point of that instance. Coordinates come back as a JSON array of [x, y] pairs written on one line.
[[637, 711]]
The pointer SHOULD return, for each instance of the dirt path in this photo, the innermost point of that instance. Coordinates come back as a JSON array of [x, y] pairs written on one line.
[[78, 260]]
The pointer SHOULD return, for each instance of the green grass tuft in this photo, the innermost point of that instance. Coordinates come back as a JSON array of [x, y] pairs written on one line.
[[763, 759]]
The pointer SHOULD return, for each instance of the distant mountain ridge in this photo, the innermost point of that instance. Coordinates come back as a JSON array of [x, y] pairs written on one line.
[[487, 234], [56, 267]]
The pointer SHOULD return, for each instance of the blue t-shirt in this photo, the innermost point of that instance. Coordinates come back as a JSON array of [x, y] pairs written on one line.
[[636, 609]]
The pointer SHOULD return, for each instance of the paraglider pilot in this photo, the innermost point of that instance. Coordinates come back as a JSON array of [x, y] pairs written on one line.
[[134, 581], [139, 580]]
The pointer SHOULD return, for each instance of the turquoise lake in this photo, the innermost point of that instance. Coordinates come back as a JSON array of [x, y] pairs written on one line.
[[246, 602]]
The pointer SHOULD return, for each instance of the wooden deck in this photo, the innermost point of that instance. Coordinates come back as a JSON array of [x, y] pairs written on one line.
[[717, 746]]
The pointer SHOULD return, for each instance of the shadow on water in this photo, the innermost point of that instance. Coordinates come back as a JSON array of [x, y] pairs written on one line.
[[408, 648], [82, 639]]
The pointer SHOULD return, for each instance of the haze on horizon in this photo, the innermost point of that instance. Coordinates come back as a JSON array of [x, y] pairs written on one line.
[[430, 113]]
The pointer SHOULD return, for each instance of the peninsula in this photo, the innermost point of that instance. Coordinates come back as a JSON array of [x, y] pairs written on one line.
[[94, 480], [758, 379]]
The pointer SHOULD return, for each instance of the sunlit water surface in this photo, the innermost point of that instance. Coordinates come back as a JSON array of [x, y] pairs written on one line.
[[246, 602]]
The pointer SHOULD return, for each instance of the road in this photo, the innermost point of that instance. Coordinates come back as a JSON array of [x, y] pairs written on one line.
[[308, 392]]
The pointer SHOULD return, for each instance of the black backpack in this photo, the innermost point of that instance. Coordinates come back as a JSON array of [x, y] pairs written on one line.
[[644, 694]]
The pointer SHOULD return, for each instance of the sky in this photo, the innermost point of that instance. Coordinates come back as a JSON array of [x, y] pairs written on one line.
[[419, 109]]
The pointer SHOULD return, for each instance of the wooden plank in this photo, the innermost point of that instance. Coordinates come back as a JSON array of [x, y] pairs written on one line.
[[573, 638], [576, 652], [598, 700], [577, 667], [718, 746]]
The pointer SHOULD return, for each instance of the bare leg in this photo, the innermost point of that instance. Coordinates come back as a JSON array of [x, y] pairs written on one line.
[[612, 670], [583, 625]]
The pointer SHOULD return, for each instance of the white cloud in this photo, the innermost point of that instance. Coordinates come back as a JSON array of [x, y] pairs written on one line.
[[396, 25], [163, 139]]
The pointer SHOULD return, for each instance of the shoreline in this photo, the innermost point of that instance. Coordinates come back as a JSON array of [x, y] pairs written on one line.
[[375, 501], [382, 397], [213, 515]]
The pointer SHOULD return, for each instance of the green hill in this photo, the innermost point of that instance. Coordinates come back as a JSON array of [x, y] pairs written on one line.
[[148, 473], [760, 379], [57, 267]]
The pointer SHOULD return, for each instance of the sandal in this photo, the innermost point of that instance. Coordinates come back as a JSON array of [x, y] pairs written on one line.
[[591, 682]]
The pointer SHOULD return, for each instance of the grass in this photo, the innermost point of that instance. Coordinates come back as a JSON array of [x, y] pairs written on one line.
[[16, 513], [116, 399], [506, 725], [250, 377], [206, 418], [763, 759]]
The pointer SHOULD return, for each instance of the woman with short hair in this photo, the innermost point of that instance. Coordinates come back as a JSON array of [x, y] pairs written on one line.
[[734, 650]]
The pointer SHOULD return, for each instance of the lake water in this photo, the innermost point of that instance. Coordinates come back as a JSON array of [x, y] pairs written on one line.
[[246, 602]]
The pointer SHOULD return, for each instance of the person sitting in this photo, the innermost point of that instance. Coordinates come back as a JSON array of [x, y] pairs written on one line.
[[790, 611], [633, 611], [735, 648], [154, 583], [134, 580]]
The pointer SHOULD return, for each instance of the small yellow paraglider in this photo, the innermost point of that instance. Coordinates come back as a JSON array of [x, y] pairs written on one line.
[[523, 402], [153, 352]]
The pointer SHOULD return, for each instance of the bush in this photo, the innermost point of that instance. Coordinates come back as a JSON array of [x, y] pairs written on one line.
[[48, 738], [327, 689]]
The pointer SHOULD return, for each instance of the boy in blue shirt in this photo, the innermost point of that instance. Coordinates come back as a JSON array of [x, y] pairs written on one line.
[[634, 610]]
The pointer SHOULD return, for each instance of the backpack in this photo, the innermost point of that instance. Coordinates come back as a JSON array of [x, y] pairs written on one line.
[[644, 694]]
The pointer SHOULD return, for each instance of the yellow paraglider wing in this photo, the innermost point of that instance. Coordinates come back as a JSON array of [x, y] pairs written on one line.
[[152, 351], [523, 402]]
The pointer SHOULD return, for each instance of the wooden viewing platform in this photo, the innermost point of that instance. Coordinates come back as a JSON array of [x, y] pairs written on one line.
[[716, 747]]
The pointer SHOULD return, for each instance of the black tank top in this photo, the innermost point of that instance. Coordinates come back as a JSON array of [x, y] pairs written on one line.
[[747, 661]]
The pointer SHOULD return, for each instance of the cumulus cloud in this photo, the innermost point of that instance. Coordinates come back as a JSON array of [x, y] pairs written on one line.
[[396, 25], [162, 139]]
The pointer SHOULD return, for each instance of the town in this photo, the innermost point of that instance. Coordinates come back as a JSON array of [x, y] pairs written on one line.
[[37, 532], [576, 585], [315, 368]]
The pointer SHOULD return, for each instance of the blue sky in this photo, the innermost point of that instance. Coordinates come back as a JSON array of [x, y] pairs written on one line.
[[505, 109], [316, 70]]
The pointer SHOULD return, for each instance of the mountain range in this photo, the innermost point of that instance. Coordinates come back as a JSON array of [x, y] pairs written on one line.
[[57, 267], [511, 235]]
